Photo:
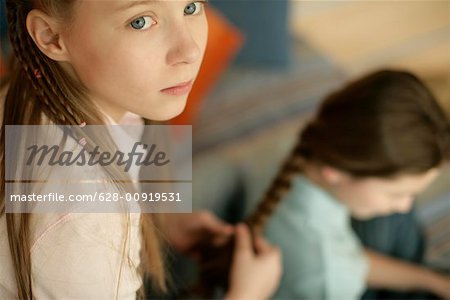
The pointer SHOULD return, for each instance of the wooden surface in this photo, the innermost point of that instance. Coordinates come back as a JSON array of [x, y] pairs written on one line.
[[360, 36]]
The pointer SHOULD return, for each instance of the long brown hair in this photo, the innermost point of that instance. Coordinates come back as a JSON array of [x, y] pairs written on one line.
[[384, 124], [62, 100]]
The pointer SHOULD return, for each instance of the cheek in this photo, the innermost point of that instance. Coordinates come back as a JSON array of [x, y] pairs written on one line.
[[134, 68], [403, 205], [200, 33], [87, 55], [204, 40], [368, 201], [103, 65]]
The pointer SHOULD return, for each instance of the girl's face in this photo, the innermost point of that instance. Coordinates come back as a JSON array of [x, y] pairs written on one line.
[[138, 56], [372, 197]]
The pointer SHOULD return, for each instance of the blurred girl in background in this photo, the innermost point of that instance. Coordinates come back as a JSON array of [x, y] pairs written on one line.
[[372, 147]]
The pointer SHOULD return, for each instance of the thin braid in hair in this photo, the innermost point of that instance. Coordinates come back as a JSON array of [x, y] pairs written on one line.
[[18, 38], [52, 87], [280, 186], [18, 224], [16, 34], [57, 95], [45, 88], [215, 261]]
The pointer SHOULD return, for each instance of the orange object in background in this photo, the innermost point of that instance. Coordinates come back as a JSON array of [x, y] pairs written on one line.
[[224, 41]]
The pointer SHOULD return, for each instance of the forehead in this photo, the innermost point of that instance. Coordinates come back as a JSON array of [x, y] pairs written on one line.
[[112, 7], [119, 4], [414, 183], [106, 8]]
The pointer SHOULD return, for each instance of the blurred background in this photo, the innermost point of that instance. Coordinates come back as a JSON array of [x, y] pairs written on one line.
[[285, 57], [267, 66]]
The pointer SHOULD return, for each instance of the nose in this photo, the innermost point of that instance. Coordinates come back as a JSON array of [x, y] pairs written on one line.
[[183, 49]]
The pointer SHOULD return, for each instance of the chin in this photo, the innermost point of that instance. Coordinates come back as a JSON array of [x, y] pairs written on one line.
[[371, 215], [162, 118], [361, 217], [167, 114], [364, 215]]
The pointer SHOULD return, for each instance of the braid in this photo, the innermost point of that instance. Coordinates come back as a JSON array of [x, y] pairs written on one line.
[[36, 67], [17, 36], [38, 86], [29, 65], [52, 88], [216, 260], [280, 186]]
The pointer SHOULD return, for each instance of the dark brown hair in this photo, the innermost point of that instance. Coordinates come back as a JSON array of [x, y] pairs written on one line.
[[384, 124], [36, 87]]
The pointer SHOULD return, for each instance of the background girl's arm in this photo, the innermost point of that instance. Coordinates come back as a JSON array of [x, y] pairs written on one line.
[[390, 273]]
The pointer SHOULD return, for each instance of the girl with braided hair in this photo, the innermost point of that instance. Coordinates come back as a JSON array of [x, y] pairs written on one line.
[[373, 146], [82, 62]]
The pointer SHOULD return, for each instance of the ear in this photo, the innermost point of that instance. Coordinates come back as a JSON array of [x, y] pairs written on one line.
[[46, 34], [333, 176]]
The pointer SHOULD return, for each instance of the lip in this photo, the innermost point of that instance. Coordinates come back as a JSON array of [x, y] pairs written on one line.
[[179, 89]]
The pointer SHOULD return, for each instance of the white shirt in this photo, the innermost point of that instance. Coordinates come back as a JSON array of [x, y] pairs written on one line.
[[78, 255]]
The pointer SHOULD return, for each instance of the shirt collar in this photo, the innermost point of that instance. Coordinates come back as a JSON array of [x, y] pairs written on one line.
[[125, 134], [319, 205]]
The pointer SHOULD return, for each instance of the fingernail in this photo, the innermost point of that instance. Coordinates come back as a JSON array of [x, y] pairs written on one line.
[[82, 125]]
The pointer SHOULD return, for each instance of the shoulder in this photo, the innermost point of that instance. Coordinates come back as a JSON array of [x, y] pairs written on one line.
[[78, 256], [304, 260], [291, 220], [302, 247], [106, 229], [84, 255]]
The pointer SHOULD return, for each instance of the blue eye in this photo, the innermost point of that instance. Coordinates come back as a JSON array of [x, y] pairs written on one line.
[[193, 8], [142, 23]]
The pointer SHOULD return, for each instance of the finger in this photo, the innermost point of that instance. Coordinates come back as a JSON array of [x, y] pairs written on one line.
[[215, 225], [262, 245], [243, 239], [272, 257], [220, 240], [218, 230]]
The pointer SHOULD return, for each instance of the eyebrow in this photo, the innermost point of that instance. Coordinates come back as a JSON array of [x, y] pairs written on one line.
[[133, 4]]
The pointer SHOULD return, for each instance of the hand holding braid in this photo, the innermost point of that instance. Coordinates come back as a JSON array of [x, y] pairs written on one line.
[[280, 186], [381, 125], [216, 260]]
